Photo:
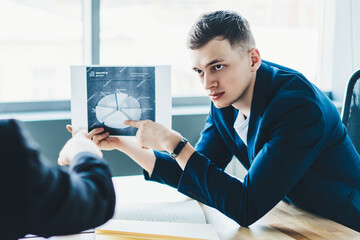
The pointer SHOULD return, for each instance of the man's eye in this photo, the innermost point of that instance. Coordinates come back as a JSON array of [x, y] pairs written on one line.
[[199, 72], [218, 67]]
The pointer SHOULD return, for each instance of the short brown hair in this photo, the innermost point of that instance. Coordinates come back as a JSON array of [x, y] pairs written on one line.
[[227, 24]]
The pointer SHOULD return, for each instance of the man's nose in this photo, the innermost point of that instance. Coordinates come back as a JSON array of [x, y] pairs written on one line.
[[209, 81]]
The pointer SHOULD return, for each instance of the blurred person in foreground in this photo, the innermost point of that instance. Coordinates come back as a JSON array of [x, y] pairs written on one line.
[[47, 201]]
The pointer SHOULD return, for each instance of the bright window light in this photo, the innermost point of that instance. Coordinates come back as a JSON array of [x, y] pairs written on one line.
[[39, 40], [154, 32]]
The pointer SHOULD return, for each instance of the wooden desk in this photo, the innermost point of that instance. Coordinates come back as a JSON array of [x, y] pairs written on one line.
[[282, 222]]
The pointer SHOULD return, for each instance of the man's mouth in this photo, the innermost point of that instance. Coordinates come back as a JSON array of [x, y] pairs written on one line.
[[216, 95]]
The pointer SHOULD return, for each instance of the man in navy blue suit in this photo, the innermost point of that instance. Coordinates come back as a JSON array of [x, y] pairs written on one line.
[[47, 201], [281, 127]]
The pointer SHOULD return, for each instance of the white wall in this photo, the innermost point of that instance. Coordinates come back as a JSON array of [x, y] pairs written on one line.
[[340, 44]]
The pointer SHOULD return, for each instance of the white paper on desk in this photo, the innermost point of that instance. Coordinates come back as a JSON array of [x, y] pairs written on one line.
[[184, 211], [106, 96], [156, 230]]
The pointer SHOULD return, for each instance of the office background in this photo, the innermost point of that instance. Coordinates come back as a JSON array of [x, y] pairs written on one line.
[[42, 38]]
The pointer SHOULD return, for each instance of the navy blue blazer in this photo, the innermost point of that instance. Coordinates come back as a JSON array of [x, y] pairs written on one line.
[[297, 149], [47, 201]]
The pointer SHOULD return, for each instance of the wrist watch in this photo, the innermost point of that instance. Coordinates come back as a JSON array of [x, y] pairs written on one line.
[[178, 148]]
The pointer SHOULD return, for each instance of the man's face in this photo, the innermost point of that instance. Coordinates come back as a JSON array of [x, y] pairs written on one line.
[[224, 72]]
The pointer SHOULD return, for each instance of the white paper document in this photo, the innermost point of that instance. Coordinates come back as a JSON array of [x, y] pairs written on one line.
[[185, 212], [106, 96], [157, 220], [125, 229]]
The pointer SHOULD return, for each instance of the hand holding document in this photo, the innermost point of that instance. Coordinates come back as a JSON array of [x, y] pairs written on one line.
[[106, 96]]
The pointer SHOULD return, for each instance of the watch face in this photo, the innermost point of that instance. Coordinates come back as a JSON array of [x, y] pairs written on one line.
[[173, 156], [178, 148]]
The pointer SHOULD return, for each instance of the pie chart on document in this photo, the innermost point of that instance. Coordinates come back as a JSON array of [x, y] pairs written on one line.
[[114, 109]]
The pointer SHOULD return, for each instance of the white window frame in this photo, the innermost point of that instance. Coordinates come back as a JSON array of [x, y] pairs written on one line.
[[339, 56]]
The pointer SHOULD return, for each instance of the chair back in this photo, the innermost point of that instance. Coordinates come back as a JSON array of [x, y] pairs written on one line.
[[351, 109]]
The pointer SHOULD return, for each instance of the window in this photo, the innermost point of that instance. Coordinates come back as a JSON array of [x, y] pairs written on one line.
[[287, 32], [39, 40], [148, 32]]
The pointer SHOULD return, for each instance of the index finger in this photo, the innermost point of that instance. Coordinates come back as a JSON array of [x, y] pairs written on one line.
[[95, 131], [133, 123]]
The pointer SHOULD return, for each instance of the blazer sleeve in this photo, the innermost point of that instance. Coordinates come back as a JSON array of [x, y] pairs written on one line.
[[65, 202], [292, 143], [210, 144]]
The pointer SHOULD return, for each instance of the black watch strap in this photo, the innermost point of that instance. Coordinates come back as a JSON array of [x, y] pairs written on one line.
[[178, 148]]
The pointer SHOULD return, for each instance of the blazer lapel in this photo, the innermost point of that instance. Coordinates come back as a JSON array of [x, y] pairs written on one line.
[[257, 108]]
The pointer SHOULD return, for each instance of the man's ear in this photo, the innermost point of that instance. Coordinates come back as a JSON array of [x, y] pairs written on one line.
[[255, 59]]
